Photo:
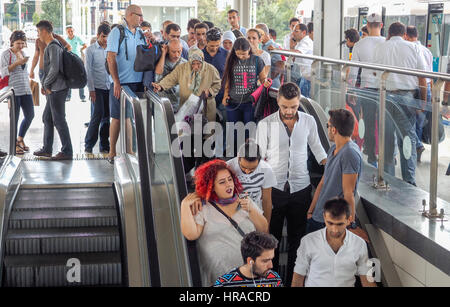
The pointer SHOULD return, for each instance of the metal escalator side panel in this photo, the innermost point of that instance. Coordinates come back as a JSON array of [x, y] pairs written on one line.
[[10, 178], [315, 110], [168, 189]]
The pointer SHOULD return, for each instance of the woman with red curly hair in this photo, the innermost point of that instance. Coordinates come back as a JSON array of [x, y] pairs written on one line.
[[218, 241]]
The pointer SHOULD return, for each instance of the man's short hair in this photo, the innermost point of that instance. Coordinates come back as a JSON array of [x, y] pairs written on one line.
[[397, 29], [352, 35], [293, 19], [343, 120], [255, 243], [289, 91], [172, 27], [263, 27], [192, 22], [411, 31], [310, 27], [337, 207], [201, 25], [146, 24], [302, 27], [209, 24], [213, 35], [250, 151], [103, 29], [45, 25], [233, 11]]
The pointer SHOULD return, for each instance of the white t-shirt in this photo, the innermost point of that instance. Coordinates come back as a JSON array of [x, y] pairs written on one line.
[[262, 177], [364, 51], [325, 268], [305, 46], [265, 56]]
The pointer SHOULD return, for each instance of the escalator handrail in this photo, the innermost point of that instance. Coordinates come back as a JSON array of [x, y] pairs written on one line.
[[152, 251], [179, 176]]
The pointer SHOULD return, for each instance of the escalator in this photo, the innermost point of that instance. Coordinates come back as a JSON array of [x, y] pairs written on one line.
[[47, 227]]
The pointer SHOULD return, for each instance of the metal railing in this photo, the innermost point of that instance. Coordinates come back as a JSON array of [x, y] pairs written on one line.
[[439, 80]]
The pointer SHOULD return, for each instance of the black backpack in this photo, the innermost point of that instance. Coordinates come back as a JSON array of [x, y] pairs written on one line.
[[121, 39], [147, 57], [73, 69]]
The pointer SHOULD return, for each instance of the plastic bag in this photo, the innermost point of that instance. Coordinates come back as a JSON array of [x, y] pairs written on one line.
[[185, 115]]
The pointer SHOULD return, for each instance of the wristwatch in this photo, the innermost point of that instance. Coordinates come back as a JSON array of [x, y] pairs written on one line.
[[352, 225]]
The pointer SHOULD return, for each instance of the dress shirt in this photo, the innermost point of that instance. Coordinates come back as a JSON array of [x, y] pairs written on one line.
[[401, 53], [364, 52], [428, 56], [289, 155], [95, 68], [305, 46], [324, 268]]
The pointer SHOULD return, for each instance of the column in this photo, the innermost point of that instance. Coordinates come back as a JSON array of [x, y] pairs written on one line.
[[328, 35]]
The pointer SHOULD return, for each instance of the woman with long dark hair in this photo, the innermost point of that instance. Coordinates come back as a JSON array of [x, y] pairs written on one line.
[[207, 216], [14, 64], [243, 70]]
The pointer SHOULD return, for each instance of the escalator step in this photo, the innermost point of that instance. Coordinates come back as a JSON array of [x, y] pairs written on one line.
[[65, 199], [54, 241], [62, 218], [52, 270]]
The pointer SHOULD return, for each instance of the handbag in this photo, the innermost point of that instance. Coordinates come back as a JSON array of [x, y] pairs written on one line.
[[147, 57], [233, 222], [4, 82]]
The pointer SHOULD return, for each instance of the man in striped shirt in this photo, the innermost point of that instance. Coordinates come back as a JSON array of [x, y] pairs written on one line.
[[255, 175]]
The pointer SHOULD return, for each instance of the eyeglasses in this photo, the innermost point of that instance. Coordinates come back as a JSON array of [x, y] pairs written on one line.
[[140, 15]]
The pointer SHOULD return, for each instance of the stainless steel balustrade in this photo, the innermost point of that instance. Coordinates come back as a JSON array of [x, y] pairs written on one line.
[[439, 80]]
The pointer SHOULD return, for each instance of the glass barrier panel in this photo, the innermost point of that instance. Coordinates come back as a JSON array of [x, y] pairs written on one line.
[[443, 175], [131, 138], [172, 257], [5, 129]]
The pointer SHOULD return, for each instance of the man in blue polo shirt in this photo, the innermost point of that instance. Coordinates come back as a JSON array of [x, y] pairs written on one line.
[[233, 20], [121, 66]]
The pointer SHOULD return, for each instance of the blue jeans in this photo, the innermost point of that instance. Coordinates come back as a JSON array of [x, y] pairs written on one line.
[[55, 117], [420, 119], [24, 102], [82, 96], [312, 225], [305, 87], [99, 122], [401, 120], [239, 113]]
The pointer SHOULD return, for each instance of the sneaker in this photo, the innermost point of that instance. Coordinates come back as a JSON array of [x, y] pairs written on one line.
[[42, 153], [88, 151], [419, 153], [86, 125], [104, 151], [62, 156]]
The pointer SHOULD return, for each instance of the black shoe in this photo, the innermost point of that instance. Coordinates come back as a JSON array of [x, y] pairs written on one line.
[[111, 160], [3, 154], [83, 99], [86, 125], [42, 153], [88, 151], [419, 153], [61, 156]]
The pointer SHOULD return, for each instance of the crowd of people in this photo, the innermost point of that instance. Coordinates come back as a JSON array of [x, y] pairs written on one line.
[[240, 206]]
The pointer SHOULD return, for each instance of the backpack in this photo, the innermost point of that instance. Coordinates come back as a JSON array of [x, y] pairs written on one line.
[[72, 69], [121, 39]]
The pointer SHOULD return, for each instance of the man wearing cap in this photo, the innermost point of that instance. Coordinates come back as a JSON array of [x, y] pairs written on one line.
[[401, 104], [364, 51]]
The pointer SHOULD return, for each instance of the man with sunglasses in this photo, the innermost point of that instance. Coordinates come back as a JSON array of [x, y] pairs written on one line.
[[255, 175], [121, 57]]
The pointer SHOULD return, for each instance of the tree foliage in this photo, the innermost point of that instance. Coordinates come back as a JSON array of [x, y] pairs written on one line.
[[51, 11], [276, 14]]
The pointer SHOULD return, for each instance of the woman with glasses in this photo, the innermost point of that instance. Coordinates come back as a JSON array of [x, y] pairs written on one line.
[[13, 63]]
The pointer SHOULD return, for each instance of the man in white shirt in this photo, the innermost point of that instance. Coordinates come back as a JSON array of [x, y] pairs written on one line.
[[283, 138], [287, 39], [302, 43], [411, 36], [400, 101], [332, 256], [256, 176], [364, 51]]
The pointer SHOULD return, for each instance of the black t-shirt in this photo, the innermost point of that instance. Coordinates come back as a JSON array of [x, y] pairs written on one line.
[[236, 279], [245, 78]]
